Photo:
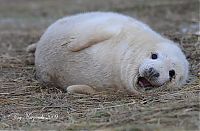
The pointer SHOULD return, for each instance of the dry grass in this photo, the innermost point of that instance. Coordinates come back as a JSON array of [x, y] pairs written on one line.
[[24, 104]]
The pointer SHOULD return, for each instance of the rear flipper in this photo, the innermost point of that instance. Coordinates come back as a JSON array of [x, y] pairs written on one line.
[[31, 48], [31, 51]]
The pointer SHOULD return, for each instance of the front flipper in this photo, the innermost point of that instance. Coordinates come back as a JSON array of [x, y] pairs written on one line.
[[86, 36], [81, 89]]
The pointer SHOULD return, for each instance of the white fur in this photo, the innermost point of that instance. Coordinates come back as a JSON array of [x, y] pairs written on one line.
[[104, 50]]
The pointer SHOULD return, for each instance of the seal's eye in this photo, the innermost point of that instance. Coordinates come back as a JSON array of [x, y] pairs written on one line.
[[171, 73], [154, 56]]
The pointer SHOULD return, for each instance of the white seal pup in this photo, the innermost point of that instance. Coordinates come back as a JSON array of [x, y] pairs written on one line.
[[95, 51]]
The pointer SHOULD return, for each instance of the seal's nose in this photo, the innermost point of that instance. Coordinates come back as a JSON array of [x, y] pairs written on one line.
[[151, 73]]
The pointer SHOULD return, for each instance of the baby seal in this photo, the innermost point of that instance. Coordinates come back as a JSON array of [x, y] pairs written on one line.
[[96, 51]]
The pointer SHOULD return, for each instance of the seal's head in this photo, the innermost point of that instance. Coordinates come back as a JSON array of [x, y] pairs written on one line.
[[166, 64]]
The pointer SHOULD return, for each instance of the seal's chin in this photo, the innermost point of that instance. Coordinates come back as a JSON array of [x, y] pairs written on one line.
[[143, 82]]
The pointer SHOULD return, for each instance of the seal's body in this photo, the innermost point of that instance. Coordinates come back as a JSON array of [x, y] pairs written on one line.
[[96, 51]]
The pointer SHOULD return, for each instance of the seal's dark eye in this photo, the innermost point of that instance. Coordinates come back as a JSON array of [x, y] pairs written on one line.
[[154, 56], [171, 73]]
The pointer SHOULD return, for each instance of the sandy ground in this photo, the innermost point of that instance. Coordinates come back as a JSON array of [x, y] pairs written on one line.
[[24, 104]]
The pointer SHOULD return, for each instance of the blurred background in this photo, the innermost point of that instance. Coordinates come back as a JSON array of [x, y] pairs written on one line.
[[162, 15]]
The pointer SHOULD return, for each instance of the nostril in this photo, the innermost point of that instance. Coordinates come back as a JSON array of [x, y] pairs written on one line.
[[157, 74], [152, 73], [150, 69]]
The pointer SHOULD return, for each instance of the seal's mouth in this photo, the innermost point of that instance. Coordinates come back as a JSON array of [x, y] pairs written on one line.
[[143, 82]]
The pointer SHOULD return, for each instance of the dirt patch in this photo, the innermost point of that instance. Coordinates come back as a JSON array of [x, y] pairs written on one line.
[[24, 104]]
